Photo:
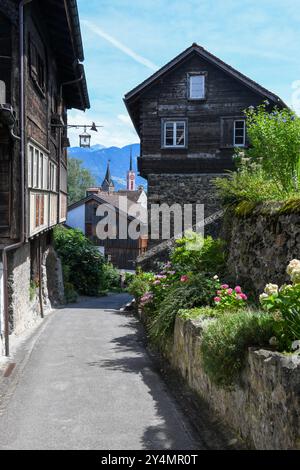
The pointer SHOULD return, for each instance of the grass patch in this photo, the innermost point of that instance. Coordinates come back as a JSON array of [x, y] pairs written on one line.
[[198, 312], [225, 343]]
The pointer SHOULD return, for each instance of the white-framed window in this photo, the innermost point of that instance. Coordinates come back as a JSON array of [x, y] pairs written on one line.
[[30, 165], [45, 172], [174, 134], [2, 92], [53, 177], [197, 86], [239, 133]]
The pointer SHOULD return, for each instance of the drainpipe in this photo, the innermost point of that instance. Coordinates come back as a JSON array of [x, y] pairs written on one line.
[[40, 279], [22, 170]]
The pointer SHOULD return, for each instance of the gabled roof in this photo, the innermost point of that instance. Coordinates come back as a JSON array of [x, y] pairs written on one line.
[[133, 95], [104, 198]]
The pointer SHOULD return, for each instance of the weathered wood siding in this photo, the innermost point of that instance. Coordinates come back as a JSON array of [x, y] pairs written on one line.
[[122, 253], [225, 97]]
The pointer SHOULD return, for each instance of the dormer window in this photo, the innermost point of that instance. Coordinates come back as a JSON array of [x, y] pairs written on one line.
[[197, 86], [174, 134]]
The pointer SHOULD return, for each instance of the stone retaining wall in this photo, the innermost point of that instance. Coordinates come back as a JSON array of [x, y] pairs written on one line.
[[261, 246], [264, 408]]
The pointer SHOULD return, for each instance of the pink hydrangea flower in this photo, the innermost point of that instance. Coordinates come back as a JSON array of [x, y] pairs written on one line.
[[184, 278], [224, 286], [244, 296], [229, 291], [217, 299], [239, 297], [238, 290], [156, 283]]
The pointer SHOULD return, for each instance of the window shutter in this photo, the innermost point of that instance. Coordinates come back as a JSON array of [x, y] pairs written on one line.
[[33, 59], [227, 132]]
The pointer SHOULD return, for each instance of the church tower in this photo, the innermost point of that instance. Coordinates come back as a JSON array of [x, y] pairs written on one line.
[[108, 184], [131, 175]]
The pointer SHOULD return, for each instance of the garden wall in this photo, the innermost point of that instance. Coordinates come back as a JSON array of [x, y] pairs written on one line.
[[264, 408], [261, 245]]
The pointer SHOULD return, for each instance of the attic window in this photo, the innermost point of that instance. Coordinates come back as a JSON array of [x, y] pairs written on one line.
[[197, 86]]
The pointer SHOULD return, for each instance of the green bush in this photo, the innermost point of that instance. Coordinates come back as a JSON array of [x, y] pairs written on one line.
[[71, 295], [81, 260], [195, 253], [248, 185], [275, 144], [196, 291], [226, 340], [284, 303], [110, 278], [270, 169], [140, 284]]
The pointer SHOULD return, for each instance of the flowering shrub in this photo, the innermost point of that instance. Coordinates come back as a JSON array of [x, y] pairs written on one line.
[[140, 284], [275, 143], [195, 290], [230, 299], [284, 303]]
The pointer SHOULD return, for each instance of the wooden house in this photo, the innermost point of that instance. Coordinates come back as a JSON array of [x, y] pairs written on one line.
[[189, 116], [118, 247], [41, 77]]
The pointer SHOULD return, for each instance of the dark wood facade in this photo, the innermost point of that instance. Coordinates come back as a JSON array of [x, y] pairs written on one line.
[[209, 121], [52, 55]]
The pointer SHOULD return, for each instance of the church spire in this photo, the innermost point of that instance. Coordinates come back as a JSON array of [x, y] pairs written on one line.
[[108, 184], [131, 175], [131, 167]]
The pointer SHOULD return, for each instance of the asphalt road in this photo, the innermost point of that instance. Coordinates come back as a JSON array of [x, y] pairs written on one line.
[[89, 383]]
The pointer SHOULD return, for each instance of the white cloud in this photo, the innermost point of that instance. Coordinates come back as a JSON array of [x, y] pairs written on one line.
[[115, 132], [138, 58], [125, 119], [296, 96]]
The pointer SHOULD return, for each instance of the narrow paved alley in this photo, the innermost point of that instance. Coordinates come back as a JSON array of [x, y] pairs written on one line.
[[89, 383]]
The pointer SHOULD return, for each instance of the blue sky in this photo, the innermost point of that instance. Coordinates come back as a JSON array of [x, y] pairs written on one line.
[[126, 40]]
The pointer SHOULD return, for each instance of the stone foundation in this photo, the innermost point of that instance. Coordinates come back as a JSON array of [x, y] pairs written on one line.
[[264, 408], [24, 300], [186, 189], [181, 189]]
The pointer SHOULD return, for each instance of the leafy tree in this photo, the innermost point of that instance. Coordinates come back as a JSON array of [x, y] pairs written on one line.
[[79, 179]]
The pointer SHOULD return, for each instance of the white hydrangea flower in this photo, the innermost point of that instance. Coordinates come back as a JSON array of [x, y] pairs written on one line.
[[294, 264], [271, 289], [295, 276], [216, 277], [263, 296]]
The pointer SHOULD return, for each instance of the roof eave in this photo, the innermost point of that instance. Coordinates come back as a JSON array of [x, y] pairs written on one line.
[[133, 95]]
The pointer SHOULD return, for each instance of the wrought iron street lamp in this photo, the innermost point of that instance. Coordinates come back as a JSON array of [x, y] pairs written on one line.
[[85, 137]]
